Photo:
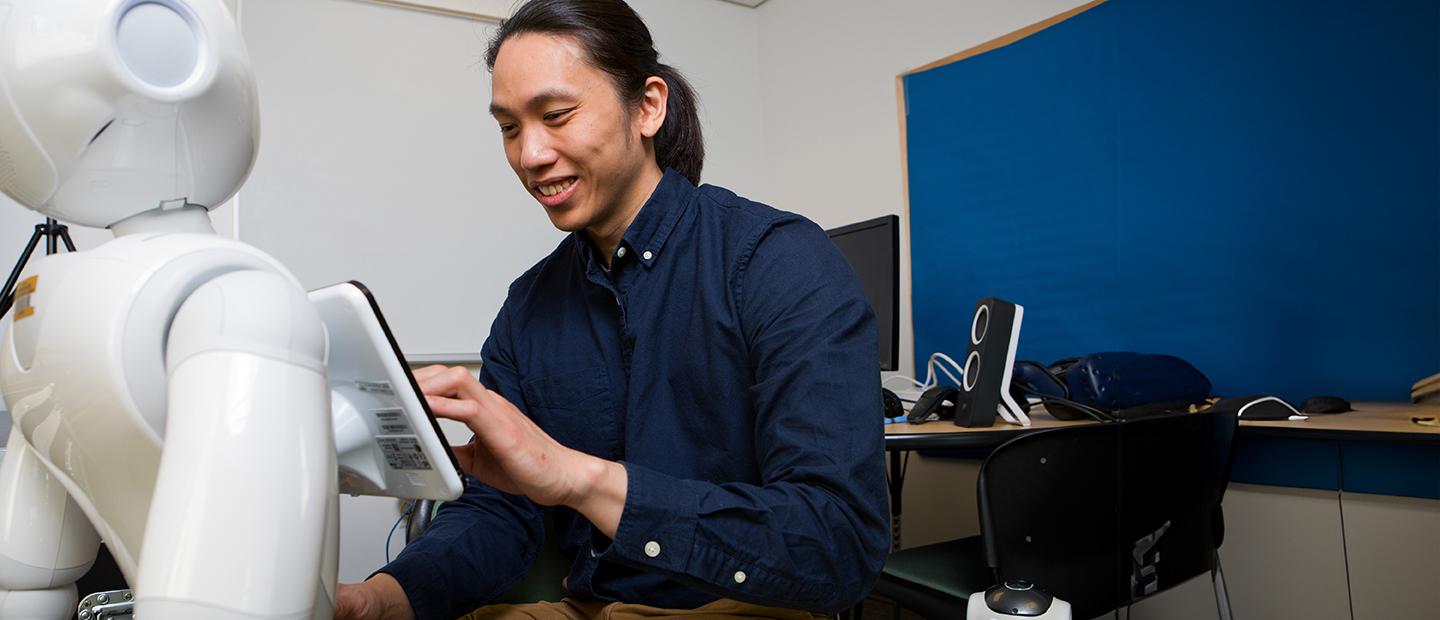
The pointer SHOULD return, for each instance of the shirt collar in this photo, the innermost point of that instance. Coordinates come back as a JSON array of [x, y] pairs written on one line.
[[647, 234]]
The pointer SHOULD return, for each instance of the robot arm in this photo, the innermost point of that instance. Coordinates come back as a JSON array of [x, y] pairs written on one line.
[[244, 508]]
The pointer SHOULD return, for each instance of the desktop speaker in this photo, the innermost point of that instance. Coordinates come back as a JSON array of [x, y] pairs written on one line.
[[989, 364]]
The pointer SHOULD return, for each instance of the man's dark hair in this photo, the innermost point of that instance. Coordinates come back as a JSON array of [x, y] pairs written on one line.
[[617, 42]]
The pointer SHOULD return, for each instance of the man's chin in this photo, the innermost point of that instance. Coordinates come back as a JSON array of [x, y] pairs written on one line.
[[565, 221]]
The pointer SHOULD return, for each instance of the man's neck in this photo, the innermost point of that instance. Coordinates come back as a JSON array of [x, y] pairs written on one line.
[[606, 235]]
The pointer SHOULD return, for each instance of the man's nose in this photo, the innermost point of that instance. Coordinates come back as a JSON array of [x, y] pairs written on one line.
[[536, 150]]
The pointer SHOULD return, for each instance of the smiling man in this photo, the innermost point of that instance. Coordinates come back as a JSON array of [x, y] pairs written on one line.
[[689, 378]]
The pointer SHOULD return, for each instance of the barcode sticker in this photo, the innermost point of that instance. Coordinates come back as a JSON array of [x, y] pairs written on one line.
[[377, 387], [403, 453], [392, 421]]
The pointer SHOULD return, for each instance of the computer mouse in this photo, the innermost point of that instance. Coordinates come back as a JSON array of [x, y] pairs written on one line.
[[1325, 404]]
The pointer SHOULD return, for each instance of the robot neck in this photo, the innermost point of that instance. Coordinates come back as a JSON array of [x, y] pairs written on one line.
[[189, 219]]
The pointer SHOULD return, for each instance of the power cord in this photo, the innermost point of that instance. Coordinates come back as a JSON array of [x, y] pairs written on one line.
[[408, 508]]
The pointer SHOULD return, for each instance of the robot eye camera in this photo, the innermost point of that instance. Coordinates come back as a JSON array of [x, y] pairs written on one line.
[[109, 108]]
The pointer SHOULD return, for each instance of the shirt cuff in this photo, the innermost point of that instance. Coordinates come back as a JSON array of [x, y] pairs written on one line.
[[657, 525], [660, 531], [416, 575]]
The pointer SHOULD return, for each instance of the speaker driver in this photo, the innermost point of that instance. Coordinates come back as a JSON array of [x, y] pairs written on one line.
[[980, 324]]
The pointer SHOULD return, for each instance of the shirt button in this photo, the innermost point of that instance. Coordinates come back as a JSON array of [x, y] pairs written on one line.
[[648, 255], [652, 549], [739, 576], [620, 252]]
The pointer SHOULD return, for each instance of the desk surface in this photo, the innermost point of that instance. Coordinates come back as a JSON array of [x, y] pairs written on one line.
[[1369, 422]]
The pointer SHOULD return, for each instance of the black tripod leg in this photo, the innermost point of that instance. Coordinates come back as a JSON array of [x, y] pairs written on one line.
[[7, 294], [65, 236]]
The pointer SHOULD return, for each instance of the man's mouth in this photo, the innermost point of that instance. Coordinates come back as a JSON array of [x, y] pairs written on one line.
[[555, 193], [555, 188]]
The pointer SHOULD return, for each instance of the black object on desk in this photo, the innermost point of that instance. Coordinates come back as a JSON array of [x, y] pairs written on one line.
[[937, 403], [872, 248], [1325, 404]]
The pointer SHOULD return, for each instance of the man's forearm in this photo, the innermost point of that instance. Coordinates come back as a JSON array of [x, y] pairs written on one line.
[[602, 500], [388, 598]]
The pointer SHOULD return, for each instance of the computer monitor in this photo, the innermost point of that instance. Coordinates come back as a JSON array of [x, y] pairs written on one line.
[[873, 249]]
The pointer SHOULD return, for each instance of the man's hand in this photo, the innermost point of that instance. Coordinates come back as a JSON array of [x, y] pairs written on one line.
[[512, 453], [379, 598]]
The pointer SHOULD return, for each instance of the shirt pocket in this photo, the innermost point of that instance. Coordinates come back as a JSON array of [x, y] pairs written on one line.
[[577, 408]]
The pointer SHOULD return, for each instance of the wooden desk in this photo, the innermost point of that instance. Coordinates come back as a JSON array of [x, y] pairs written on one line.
[[1371, 422], [944, 434], [1389, 422]]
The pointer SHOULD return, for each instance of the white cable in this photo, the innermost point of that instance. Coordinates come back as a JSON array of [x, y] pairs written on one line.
[[946, 358], [911, 380], [930, 379]]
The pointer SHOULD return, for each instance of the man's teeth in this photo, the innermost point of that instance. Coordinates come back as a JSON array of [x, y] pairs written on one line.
[[551, 190]]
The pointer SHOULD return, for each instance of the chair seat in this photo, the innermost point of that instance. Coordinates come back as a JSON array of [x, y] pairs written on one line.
[[936, 580]]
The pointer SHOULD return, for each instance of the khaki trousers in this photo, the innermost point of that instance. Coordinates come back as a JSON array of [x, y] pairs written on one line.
[[571, 609]]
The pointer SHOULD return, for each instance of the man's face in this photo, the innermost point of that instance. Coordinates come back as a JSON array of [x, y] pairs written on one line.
[[567, 135]]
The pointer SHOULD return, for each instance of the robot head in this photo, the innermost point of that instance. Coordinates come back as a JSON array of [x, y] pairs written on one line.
[[109, 108]]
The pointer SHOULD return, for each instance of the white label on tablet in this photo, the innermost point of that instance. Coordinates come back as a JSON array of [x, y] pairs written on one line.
[[380, 387], [403, 453], [392, 421]]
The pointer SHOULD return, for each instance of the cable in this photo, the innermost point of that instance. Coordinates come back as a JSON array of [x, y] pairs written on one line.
[[946, 358], [930, 379], [408, 508], [1098, 414]]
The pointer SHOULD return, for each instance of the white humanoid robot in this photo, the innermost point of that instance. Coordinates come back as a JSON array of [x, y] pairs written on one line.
[[169, 389]]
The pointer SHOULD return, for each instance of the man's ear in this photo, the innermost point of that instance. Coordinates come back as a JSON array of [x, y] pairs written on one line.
[[652, 106]]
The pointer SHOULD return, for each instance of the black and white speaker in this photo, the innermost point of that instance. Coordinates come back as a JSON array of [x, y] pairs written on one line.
[[985, 391]]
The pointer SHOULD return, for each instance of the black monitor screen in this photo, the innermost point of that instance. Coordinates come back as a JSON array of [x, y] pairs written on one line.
[[873, 249]]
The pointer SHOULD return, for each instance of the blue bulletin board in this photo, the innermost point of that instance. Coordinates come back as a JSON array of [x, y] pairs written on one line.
[[1253, 186]]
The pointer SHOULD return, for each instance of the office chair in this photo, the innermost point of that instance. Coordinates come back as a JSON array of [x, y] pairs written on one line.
[[1100, 516]]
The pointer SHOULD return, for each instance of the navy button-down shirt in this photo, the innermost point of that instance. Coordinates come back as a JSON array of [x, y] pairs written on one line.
[[729, 360]]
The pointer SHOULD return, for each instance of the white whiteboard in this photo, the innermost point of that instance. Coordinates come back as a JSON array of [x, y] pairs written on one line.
[[379, 162]]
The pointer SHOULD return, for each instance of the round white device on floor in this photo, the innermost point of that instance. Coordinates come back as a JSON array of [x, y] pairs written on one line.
[[1016, 599]]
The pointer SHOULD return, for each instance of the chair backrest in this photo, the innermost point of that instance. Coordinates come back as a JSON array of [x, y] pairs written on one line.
[[1106, 514]]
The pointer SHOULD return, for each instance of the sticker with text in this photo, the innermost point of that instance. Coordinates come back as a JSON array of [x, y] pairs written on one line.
[[403, 453]]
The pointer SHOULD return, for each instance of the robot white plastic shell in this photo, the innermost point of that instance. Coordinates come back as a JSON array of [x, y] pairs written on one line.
[[169, 389], [109, 108]]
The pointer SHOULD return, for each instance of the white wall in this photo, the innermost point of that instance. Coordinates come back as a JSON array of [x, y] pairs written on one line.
[[832, 140]]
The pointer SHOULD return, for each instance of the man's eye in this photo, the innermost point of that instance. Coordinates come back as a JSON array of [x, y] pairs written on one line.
[[556, 115], [507, 128]]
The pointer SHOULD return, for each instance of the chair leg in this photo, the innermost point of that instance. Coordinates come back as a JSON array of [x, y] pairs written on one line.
[[1222, 597]]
